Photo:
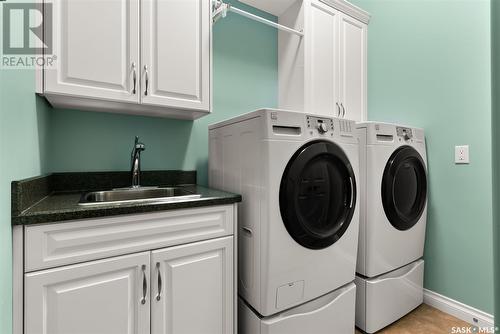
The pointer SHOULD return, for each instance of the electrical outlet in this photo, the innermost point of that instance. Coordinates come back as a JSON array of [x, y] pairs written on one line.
[[462, 154]]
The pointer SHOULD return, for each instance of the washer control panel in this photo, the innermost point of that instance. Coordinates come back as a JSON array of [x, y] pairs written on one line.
[[405, 133], [323, 125]]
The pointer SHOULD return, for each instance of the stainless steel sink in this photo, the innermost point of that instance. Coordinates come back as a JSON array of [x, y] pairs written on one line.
[[141, 194]]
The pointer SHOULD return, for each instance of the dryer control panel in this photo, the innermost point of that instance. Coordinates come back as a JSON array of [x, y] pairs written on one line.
[[405, 133], [323, 125]]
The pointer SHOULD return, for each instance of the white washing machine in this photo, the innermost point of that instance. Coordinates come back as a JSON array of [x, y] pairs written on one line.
[[299, 218], [393, 186]]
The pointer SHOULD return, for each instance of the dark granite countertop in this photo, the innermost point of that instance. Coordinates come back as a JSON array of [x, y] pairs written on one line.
[[55, 197]]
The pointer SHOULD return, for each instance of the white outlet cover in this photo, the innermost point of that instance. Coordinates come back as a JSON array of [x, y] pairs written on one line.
[[462, 154]]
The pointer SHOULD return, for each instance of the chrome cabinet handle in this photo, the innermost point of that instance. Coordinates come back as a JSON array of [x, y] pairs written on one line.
[[343, 110], [158, 296], [144, 285], [147, 80], [338, 109], [134, 75]]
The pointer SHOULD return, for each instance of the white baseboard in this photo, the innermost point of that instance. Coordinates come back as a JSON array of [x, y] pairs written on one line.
[[459, 310]]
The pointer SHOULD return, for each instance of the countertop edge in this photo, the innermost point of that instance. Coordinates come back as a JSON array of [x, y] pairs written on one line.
[[60, 217]]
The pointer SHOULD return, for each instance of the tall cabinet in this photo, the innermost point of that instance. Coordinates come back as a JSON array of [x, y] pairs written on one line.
[[324, 72], [353, 63]]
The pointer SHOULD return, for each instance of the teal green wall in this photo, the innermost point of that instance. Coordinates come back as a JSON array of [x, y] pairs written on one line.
[[23, 152], [39, 139], [245, 78], [23, 143], [495, 126], [429, 66]]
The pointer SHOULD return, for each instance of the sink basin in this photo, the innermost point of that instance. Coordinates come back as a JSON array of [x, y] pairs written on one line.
[[142, 194]]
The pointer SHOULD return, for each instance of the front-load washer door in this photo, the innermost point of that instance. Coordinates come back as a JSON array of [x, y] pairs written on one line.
[[318, 194], [404, 188]]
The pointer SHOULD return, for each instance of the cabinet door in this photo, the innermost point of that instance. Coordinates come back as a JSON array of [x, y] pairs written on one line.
[[353, 68], [176, 53], [97, 47], [100, 297], [193, 288], [322, 60]]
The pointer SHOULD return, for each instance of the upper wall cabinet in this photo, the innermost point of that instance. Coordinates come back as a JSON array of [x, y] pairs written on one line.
[[145, 57], [176, 53], [323, 72]]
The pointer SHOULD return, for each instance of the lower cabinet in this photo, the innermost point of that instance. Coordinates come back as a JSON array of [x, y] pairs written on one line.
[[180, 289], [193, 288], [105, 296]]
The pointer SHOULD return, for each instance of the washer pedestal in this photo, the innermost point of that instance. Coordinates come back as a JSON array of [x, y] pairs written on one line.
[[386, 298], [330, 313]]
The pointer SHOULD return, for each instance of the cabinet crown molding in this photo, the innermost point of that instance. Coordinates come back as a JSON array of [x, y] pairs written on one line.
[[349, 9]]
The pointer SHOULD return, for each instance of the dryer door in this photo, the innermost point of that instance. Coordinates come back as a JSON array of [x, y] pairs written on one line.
[[404, 188], [318, 194]]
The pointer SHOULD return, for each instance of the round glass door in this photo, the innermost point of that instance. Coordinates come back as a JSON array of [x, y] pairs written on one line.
[[318, 194], [404, 188]]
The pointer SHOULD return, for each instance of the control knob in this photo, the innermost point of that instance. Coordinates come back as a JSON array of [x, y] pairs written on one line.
[[322, 128]]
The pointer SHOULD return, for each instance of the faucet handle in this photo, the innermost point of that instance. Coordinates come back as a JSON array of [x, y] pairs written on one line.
[[136, 150], [138, 146], [135, 162]]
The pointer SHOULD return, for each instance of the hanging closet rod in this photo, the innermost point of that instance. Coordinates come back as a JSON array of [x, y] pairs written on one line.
[[221, 9]]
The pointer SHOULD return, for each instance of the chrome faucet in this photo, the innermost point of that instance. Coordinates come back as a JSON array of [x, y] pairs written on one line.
[[135, 163]]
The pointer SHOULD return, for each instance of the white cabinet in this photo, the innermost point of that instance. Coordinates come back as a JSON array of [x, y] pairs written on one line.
[[95, 60], [193, 287], [322, 60], [146, 57], [101, 297], [324, 72], [176, 53], [181, 288], [353, 68], [46, 245]]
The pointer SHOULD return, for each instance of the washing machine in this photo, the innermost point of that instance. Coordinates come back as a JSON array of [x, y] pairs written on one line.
[[393, 186], [298, 223]]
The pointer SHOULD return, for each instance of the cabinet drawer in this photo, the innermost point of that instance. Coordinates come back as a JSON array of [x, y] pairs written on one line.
[[52, 245]]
